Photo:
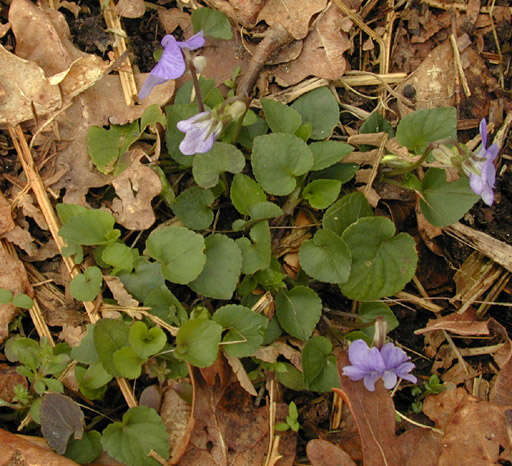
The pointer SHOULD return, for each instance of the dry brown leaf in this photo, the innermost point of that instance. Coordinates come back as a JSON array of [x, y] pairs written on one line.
[[222, 434], [460, 324], [241, 374], [23, 239], [9, 378], [374, 415], [6, 221], [71, 334], [13, 277], [293, 15], [171, 18], [324, 453], [322, 53], [135, 187], [26, 90], [239, 11], [472, 428], [177, 417], [130, 8], [420, 446], [22, 450], [121, 295], [271, 352]]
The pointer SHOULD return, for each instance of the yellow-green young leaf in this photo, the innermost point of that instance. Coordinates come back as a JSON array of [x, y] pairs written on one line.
[[320, 109], [221, 272], [86, 286], [281, 118], [277, 159], [146, 342], [119, 256], [346, 211], [213, 23], [89, 393], [179, 250], [94, 377], [25, 350], [90, 227], [193, 208], [245, 327], [326, 257], [23, 301], [5, 296], [146, 277], [298, 311], [198, 341], [131, 440], [85, 352], [127, 362], [151, 116], [382, 263], [256, 252], [322, 193], [290, 377], [110, 335]]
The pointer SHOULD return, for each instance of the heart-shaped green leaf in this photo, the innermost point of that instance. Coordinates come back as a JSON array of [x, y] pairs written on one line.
[[277, 159], [180, 250], [127, 362], [382, 263], [110, 335], [222, 269], [346, 211], [327, 153], [322, 193], [319, 365], [198, 341], [193, 208], [257, 251], [326, 257], [245, 192], [221, 158], [146, 342], [86, 286], [280, 117], [213, 23], [298, 311]]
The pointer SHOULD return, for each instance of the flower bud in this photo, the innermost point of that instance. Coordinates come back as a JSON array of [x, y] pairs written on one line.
[[199, 63], [237, 109]]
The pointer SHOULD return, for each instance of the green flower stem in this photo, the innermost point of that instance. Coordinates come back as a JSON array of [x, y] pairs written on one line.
[[412, 167]]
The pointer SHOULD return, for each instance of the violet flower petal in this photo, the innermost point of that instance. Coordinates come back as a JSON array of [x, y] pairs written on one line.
[[150, 82], [390, 379], [483, 132], [370, 379], [195, 42]]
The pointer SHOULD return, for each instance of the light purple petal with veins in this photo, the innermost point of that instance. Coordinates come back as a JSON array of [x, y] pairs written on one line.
[[195, 42]]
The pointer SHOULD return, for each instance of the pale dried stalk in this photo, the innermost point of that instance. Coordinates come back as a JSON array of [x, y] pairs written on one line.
[[126, 71], [458, 64], [38, 188]]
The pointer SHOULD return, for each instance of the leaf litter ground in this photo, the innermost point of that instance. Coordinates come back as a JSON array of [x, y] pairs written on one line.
[[461, 292]]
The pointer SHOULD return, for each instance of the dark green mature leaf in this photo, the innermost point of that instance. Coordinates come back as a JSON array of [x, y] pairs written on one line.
[[277, 159], [320, 109], [327, 153], [152, 115], [119, 256], [290, 377], [346, 211], [245, 193], [221, 158], [212, 22], [165, 305], [131, 440], [319, 365], [382, 263], [256, 252], [445, 203], [180, 250], [198, 341], [343, 172], [89, 228], [418, 129], [298, 311], [85, 352], [280, 117], [143, 279], [245, 326], [193, 208], [326, 257], [322, 193], [376, 123], [60, 418], [86, 286], [110, 335], [94, 377], [86, 449], [222, 269]]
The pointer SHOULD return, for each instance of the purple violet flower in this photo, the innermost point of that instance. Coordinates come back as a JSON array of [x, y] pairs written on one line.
[[201, 130], [171, 64], [371, 364], [482, 181]]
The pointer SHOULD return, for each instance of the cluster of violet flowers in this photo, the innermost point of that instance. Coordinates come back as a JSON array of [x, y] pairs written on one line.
[[388, 363], [200, 130]]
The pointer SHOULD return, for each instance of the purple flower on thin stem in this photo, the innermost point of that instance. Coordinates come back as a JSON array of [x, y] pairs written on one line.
[[171, 64], [371, 364], [201, 130], [482, 179]]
